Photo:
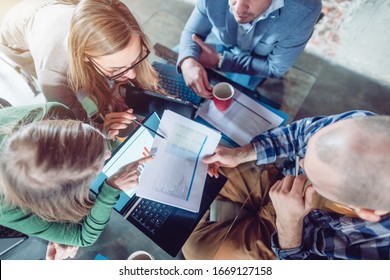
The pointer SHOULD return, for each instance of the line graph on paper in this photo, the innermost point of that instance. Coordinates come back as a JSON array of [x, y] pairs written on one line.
[[186, 145]]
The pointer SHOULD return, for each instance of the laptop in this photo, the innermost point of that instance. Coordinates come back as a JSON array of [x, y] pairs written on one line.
[[145, 102], [167, 226], [9, 239]]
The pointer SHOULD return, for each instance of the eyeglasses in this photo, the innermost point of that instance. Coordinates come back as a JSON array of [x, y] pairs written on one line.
[[145, 54]]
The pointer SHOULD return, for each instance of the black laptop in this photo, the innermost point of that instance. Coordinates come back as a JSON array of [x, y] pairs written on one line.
[[167, 226]]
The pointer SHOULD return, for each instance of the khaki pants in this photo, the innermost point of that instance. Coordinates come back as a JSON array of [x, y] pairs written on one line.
[[248, 235]]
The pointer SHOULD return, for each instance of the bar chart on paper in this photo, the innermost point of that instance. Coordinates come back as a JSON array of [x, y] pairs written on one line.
[[176, 175], [184, 147]]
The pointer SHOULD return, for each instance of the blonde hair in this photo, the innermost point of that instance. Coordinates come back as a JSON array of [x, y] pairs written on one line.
[[47, 167], [99, 28]]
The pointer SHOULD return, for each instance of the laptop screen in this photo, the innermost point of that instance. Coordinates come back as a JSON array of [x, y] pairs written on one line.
[[137, 145]]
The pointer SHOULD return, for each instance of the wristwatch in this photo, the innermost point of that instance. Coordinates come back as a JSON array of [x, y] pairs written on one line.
[[219, 64]]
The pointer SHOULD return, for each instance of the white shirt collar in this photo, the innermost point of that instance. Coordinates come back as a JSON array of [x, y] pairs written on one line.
[[275, 5]]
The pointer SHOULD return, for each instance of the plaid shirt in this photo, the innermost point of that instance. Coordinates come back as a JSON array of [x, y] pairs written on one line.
[[282, 144], [325, 235]]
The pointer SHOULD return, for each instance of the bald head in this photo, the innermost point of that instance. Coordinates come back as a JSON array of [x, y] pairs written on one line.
[[349, 162]]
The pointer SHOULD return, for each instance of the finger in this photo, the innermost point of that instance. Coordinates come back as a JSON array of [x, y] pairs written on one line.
[[299, 183], [131, 171], [145, 159], [211, 159], [116, 126], [277, 186], [309, 196], [200, 89], [113, 133], [210, 171], [51, 251], [59, 254], [287, 184], [206, 82], [74, 251], [120, 123], [125, 115], [215, 168]]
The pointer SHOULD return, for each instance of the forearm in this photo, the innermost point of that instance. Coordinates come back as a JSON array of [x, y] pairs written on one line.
[[199, 24], [246, 153], [280, 142], [289, 235], [273, 65]]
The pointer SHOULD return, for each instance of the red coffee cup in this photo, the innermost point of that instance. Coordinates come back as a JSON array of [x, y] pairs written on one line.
[[223, 96]]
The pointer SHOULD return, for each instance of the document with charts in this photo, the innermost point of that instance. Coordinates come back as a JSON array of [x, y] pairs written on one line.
[[242, 121], [176, 175]]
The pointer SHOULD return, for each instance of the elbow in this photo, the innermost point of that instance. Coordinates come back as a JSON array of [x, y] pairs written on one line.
[[87, 243], [276, 72]]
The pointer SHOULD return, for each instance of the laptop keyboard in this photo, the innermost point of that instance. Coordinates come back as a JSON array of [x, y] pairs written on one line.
[[174, 83], [151, 214]]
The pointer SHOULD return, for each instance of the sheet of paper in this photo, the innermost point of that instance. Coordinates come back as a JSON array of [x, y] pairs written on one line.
[[242, 121], [138, 147], [176, 175]]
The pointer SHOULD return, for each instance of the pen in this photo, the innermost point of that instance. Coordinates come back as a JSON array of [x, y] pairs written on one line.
[[148, 128], [297, 166]]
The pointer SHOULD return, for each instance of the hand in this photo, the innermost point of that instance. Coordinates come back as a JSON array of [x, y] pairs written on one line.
[[209, 58], [291, 206], [226, 157], [113, 122], [126, 178], [57, 251], [195, 77]]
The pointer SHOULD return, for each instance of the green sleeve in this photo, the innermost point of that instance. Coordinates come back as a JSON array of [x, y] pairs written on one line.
[[83, 234], [13, 117]]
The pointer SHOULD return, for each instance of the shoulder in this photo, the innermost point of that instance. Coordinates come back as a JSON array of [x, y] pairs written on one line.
[[13, 117], [342, 116], [303, 4], [213, 5], [297, 10]]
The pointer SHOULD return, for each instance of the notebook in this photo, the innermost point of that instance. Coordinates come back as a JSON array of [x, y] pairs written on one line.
[[167, 226], [9, 239]]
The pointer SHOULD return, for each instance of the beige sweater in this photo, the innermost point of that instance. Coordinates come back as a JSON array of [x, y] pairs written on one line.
[[34, 35]]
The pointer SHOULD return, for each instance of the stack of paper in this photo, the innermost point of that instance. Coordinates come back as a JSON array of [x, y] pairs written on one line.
[[243, 120]]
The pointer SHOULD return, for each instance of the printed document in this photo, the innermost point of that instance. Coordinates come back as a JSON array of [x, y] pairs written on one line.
[[176, 175], [243, 120]]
